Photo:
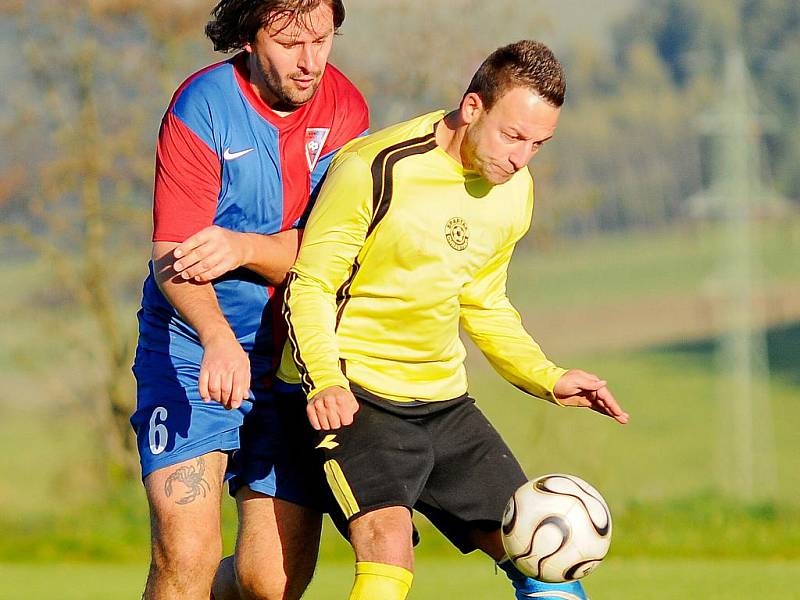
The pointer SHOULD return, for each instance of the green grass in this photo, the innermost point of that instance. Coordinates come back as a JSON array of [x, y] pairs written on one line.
[[626, 267], [469, 577]]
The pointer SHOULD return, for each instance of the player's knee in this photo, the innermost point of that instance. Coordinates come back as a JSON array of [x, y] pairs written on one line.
[[189, 558], [383, 536], [269, 582]]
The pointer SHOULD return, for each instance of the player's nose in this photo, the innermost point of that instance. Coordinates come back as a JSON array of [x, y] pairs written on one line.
[[518, 160], [307, 59]]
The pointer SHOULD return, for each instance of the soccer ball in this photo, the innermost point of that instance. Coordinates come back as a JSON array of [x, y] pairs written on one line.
[[556, 528]]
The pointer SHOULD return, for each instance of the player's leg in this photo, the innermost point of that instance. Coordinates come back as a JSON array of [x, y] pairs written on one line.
[[281, 492], [381, 540], [276, 548], [375, 469], [183, 444], [489, 541], [185, 527], [475, 475]]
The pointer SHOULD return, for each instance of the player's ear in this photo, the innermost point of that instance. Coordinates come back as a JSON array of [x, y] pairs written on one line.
[[471, 107]]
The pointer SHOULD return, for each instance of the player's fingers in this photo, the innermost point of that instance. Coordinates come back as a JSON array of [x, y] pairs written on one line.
[[203, 265], [311, 413], [193, 241], [322, 415], [216, 266], [189, 257], [334, 420], [588, 381], [202, 385], [244, 384], [236, 390], [226, 389], [348, 412], [214, 386], [612, 407]]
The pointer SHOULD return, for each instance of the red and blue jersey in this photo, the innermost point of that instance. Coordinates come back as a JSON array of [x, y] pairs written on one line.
[[225, 158]]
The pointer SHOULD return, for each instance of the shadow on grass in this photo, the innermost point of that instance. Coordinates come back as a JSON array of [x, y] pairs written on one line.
[[783, 351]]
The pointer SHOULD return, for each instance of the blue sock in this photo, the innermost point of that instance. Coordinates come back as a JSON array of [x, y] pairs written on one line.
[[528, 587]]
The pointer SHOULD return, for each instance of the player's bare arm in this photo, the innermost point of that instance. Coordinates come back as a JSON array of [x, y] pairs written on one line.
[[332, 408], [225, 369], [579, 388], [214, 251]]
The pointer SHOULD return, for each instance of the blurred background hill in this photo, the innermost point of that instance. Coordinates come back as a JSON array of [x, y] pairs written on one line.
[[665, 256]]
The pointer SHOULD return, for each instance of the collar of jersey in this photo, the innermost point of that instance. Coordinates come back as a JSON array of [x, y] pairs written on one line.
[[239, 63]]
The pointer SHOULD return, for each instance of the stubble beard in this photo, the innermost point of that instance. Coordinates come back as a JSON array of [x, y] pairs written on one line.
[[473, 161], [287, 98]]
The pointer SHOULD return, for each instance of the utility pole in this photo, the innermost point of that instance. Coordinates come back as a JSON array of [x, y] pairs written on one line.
[[736, 197]]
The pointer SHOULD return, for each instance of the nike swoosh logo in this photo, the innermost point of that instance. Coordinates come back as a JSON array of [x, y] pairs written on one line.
[[228, 155]]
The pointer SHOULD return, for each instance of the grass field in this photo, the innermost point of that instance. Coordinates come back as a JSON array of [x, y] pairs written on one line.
[[471, 578]]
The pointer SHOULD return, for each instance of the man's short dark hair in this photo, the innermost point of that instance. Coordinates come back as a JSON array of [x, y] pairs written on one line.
[[523, 64], [236, 22]]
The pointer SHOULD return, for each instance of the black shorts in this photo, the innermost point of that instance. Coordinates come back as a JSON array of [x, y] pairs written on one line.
[[443, 459]]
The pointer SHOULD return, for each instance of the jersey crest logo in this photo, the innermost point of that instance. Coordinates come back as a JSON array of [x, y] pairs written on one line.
[[315, 140], [456, 233]]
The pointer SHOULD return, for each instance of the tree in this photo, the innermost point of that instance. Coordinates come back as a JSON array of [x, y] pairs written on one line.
[[97, 74]]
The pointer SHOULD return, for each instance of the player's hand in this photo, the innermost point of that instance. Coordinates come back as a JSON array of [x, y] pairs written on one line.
[[209, 253], [224, 372], [579, 388], [332, 408]]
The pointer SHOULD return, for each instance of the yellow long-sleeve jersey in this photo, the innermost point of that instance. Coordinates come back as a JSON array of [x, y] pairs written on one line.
[[402, 245]]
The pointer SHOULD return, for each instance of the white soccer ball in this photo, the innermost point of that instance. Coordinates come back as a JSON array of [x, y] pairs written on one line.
[[556, 528]]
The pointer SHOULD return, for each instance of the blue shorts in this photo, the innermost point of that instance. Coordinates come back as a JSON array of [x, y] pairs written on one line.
[[268, 439], [278, 456]]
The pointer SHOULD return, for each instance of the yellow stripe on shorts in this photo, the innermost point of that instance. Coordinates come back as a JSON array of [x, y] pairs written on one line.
[[340, 488]]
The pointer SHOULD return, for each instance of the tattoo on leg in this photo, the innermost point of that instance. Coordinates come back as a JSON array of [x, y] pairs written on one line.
[[191, 476]]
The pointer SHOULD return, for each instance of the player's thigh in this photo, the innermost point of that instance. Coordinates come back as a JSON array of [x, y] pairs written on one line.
[[277, 545], [277, 457], [380, 460], [184, 501], [171, 422], [474, 476]]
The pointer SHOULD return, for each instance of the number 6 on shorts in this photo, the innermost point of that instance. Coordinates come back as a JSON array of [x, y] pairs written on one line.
[[158, 434]]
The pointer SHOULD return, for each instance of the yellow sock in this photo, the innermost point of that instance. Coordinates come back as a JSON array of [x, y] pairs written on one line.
[[377, 581]]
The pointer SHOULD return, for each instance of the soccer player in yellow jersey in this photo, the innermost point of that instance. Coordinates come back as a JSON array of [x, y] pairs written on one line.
[[411, 236]]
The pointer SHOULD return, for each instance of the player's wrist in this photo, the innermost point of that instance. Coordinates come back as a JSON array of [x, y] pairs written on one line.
[[216, 334], [242, 244], [324, 387]]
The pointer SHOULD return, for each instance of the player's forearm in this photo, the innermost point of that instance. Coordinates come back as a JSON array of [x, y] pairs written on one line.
[[196, 302], [271, 256], [512, 352], [311, 315]]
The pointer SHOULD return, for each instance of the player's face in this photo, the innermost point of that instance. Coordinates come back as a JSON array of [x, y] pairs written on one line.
[[501, 141], [287, 60]]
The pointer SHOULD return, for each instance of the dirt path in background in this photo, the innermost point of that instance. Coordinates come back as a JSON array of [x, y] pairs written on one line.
[[649, 322]]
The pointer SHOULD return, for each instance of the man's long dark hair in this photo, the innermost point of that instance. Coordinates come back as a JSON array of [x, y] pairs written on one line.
[[236, 22]]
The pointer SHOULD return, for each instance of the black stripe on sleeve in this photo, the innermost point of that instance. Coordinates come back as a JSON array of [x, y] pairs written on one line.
[[305, 378]]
